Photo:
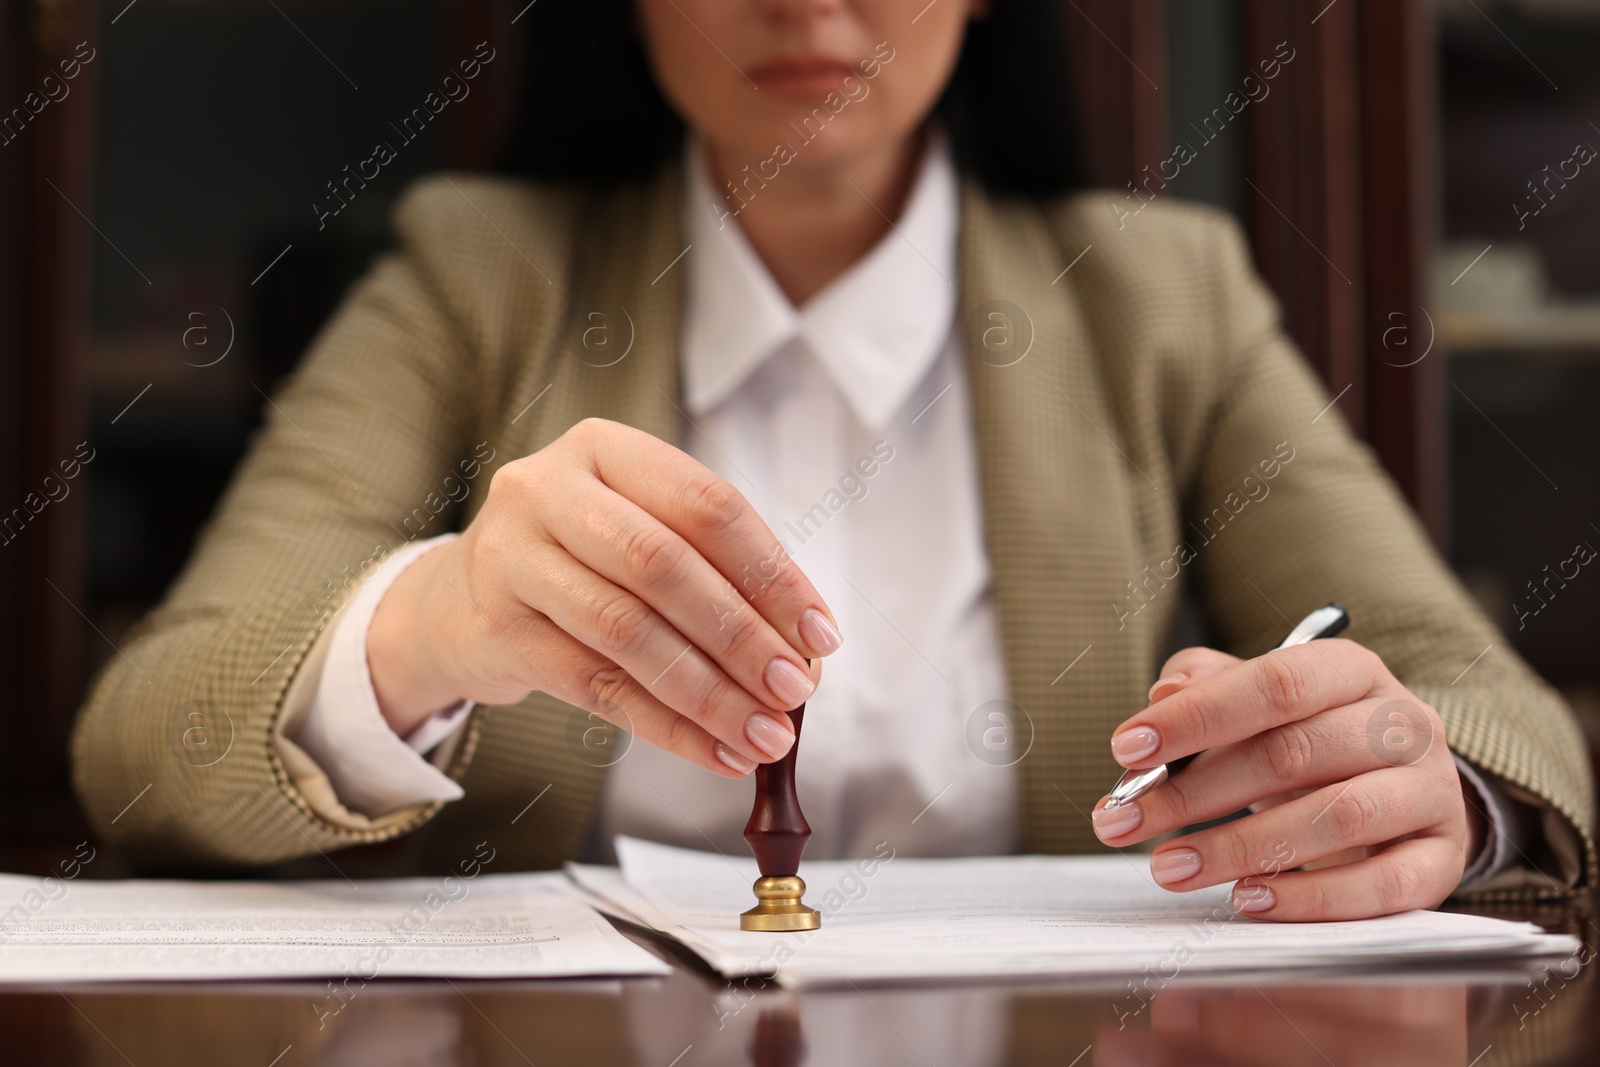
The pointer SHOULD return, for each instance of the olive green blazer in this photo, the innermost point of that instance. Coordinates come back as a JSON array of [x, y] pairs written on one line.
[[1127, 413]]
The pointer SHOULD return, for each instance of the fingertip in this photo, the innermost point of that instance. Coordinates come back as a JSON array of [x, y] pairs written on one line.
[[1166, 685], [1173, 865], [1110, 823], [1188, 667], [819, 633], [1253, 899], [731, 763], [1129, 747], [769, 734]]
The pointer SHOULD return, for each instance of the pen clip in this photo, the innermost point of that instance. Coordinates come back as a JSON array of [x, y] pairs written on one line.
[[1135, 784], [1329, 620]]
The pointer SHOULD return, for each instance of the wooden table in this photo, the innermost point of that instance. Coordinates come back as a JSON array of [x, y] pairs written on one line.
[[1477, 1015]]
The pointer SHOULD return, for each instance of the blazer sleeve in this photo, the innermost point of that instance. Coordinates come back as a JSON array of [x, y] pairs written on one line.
[[1332, 526], [172, 753]]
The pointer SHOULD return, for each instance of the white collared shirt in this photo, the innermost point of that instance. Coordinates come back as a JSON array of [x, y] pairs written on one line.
[[791, 405]]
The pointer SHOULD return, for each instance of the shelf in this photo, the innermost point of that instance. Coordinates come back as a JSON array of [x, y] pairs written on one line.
[[1566, 330]]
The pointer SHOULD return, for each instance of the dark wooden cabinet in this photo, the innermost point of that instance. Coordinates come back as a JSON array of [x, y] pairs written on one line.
[[1335, 179], [46, 245]]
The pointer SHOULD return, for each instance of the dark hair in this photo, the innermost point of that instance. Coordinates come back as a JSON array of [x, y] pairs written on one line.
[[590, 110]]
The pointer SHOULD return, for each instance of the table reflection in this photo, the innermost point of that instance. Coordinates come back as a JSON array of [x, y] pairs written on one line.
[[1535, 1013], [1376, 1026], [778, 1040], [744, 1023]]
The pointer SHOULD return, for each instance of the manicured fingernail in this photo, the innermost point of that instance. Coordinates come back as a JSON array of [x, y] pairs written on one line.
[[787, 683], [769, 735], [1114, 822], [1253, 898], [819, 633], [1135, 744], [1167, 679], [1174, 865], [733, 759]]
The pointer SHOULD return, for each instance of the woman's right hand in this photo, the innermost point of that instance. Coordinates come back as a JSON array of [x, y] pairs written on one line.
[[614, 572]]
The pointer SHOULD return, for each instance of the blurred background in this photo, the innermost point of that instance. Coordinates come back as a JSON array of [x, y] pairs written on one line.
[[1415, 176]]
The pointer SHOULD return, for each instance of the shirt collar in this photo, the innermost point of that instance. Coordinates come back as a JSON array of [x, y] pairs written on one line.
[[876, 329]]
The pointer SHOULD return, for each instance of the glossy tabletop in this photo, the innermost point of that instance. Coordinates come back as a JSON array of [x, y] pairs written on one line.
[[1480, 1014]]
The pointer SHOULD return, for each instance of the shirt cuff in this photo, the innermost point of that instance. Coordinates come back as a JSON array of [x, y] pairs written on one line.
[[1501, 832], [371, 768], [427, 738]]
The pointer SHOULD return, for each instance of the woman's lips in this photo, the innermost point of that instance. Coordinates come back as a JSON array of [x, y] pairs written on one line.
[[801, 78]]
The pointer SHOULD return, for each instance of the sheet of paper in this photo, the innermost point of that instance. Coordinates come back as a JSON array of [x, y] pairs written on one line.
[[490, 926], [898, 919]]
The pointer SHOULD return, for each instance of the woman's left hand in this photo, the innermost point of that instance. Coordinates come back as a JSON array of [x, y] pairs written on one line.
[[1329, 751]]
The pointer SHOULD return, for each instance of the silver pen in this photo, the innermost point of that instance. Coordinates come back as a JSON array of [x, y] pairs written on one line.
[[1326, 621]]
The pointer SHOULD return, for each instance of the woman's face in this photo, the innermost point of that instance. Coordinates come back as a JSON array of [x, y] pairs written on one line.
[[810, 82]]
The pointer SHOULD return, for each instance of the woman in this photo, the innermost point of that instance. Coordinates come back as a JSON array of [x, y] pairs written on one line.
[[828, 343]]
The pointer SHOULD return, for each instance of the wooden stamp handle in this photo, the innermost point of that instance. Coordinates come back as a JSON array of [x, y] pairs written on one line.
[[777, 831]]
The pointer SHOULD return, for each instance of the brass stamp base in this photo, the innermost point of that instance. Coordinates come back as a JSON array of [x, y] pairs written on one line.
[[780, 909]]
